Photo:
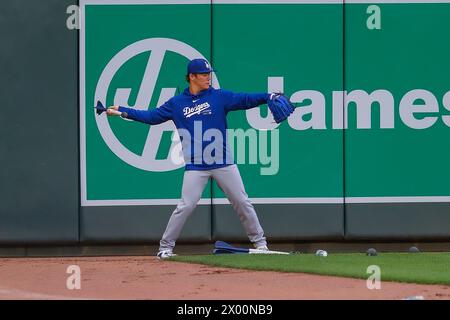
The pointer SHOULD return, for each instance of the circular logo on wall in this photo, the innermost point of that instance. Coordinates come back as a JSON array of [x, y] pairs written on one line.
[[158, 47]]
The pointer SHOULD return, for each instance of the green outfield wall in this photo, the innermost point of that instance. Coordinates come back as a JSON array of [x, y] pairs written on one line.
[[363, 157]]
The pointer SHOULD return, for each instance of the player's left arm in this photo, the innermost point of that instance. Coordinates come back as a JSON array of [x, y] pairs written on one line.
[[243, 101]]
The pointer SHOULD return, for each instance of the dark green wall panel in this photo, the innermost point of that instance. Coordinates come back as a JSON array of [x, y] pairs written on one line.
[[140, 224], [398, 221], [283, 222], [39, 124]]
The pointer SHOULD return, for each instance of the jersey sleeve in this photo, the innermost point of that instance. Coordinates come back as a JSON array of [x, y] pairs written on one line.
[[243, 101], [153, 116]]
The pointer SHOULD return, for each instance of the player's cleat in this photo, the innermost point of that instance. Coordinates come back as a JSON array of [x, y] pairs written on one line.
[[264, 248], [165, 254]]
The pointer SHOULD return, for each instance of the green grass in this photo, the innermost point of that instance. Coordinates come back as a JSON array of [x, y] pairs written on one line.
[[424, 268]]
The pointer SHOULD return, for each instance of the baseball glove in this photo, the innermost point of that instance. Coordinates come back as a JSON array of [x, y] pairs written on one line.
[[280, 106]]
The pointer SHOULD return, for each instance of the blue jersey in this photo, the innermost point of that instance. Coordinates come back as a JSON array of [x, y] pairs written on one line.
[[201, 120]]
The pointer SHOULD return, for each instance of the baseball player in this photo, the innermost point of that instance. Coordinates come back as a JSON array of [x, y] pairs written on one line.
[[201, 108]]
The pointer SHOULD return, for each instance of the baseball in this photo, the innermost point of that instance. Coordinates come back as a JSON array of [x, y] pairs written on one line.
[[413, 250], [321, 253]]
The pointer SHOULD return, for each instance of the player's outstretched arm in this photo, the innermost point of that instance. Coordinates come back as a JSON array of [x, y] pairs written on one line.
[[154, 116]]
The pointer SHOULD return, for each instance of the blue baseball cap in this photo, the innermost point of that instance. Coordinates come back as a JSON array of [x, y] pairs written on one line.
[[199, 66]]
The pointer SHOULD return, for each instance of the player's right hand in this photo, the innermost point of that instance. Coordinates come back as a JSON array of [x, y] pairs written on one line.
[[113, 111]]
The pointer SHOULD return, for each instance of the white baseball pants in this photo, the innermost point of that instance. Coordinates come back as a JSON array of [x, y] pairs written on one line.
[[229, 180]]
